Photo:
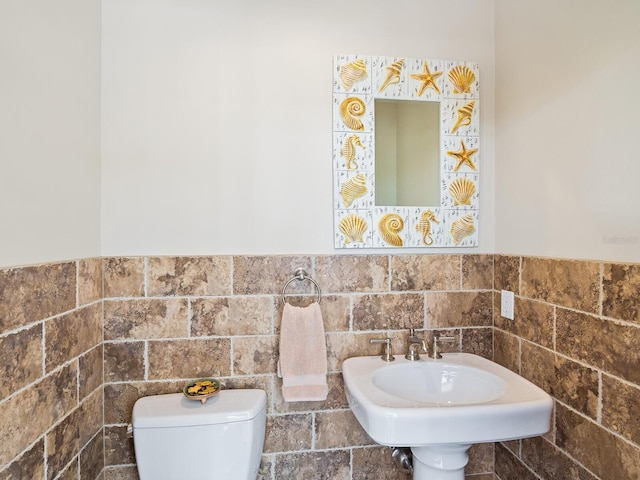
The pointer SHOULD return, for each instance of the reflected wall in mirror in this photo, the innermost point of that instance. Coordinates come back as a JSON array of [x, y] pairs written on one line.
[[406, 152]]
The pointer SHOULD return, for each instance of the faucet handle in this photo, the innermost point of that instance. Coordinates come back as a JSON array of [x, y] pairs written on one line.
[[436, 348], [387, 355]]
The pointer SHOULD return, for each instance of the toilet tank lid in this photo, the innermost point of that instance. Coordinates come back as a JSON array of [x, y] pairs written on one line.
[[175, 410]]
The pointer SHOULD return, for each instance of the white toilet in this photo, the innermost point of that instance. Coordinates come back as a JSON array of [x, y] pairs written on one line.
[[177, 438]]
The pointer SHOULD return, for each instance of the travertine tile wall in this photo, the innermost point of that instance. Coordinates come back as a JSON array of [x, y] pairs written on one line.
[[169, 319], [577, 335], [51, 399]]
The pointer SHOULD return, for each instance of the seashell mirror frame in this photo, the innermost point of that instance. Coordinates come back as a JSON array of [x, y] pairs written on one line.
[[358, 80]]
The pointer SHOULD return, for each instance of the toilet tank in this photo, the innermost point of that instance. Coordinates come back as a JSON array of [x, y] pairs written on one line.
[[177, 438]]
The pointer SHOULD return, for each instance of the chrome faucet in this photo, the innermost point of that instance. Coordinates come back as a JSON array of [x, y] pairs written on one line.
[[413, 344], [437, 338]]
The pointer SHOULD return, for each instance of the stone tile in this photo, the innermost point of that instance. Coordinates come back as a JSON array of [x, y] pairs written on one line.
[[52, 397], [507, 273], [69, 473], [508, 467], [268, 274], [118, 449], [621, 408], [534, 320], [20, 359], [279, 438], [187, 359], [610, 346], [30, 465], [72, 334], [170, 276], [621, 292], [123, 276], [376, 463], [478, 341], [266, 464], [124, 361], [341, 346], [90, 419], [63, 443], [334, 465], [89, 280], [92, 459], [603, 453], [29, 294], [232, 316], [90, 371], [145, 319], [388, 311], [425, 272], [336, 398], [459, 309], [339, 429], [567, 381], [550, 462], [481, 476], [506, 350], [568, 283], [480, 458], [126, 472], [119, 398], [352, 273], [254, 355], [477, 272]]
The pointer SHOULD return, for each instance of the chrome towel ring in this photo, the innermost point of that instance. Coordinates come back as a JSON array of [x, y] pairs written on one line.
[[300, 274]]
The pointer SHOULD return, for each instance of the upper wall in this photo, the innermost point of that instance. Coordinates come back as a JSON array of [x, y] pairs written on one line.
[[49, 130], [567, 166], [217, 115]]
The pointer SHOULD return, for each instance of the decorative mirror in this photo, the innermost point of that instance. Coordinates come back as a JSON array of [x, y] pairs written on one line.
[[406, 152]]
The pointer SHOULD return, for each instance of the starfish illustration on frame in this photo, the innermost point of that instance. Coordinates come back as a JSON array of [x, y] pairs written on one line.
[[426, 79], [463, 156]]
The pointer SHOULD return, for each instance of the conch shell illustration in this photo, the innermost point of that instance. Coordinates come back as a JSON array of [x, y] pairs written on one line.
[[393, 74], [390, 225], [461, 77], [350, 109], [462, 228], [353, 227], [424, 226], [353, 188], [464, 116], [349, 151], [461, 190], [352, 73]]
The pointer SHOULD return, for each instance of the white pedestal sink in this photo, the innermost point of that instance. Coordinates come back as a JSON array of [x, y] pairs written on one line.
[[440, 408]]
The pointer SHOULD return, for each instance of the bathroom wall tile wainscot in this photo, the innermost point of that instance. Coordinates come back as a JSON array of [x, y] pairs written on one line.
[[51, 400], [170, 319], [576, 334]]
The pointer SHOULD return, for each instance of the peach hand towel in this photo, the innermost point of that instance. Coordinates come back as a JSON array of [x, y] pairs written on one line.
[[303, 354]]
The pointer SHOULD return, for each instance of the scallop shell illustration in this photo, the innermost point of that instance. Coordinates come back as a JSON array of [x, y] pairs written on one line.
[[350, 109], [461, 190], [352, 227], [461, 77], [353, 188], [390, 225], [348, 151], [464, 116], [462, 228], [352, 73], [424, 226], [393, 74]]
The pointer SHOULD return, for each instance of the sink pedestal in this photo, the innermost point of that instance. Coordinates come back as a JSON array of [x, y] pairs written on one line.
[[440, 462]]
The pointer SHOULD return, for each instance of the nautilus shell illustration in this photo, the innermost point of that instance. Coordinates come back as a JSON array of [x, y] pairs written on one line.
[[353, 188], [461, 77], [353, 227], [352, 73], [390, 226], [351, 109], [424, 226], [348, 151], [461, 190], [462, 228], [464, 116], [393, 74]]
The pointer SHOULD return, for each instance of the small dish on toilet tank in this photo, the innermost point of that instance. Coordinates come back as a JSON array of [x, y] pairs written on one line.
[[201, 389]]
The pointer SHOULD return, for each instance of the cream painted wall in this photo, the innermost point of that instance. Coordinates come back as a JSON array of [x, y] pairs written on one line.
[[216, 115], [49, 130], [567, 103]]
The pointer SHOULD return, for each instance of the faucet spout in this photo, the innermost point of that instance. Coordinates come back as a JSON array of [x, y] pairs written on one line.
[[415, 343]]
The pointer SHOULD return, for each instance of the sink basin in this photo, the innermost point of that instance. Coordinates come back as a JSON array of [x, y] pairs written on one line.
[[459, 399]]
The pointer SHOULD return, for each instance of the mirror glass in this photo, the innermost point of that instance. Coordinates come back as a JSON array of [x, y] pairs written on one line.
[[406, 152]]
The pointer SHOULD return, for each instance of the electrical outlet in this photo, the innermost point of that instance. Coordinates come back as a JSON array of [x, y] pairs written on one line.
[[506, 304]]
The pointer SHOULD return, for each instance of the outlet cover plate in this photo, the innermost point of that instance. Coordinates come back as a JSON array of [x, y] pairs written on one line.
[[506, 304]]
